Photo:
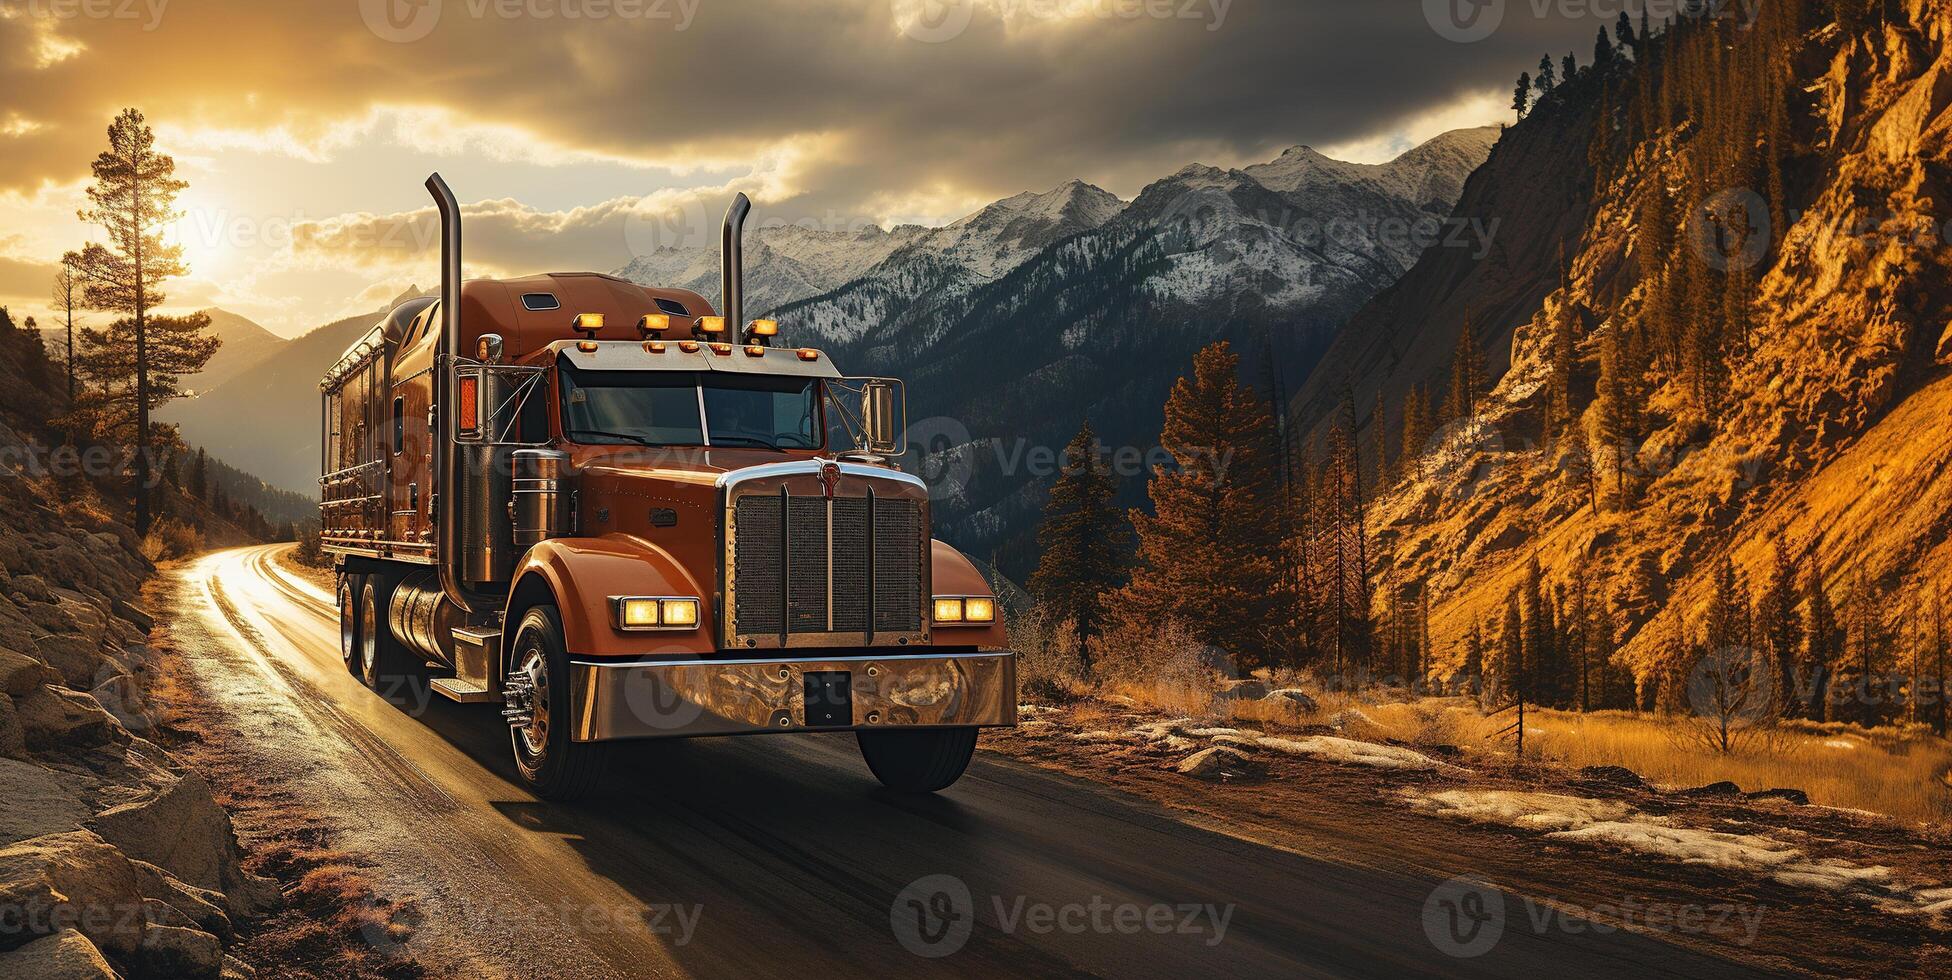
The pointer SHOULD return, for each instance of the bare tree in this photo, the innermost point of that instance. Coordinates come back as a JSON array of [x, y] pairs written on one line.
[[67, 298]]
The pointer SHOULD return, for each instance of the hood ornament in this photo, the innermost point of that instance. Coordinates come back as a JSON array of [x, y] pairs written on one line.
[[829, 478]]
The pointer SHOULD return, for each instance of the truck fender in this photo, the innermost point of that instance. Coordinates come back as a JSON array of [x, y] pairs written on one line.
[[952, 573], [580, 575]]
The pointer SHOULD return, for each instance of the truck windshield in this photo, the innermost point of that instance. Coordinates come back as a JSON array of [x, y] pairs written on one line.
[[658, 408]]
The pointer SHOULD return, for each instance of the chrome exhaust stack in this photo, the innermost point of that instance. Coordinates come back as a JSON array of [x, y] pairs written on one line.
[[447, 496], [732, 265]]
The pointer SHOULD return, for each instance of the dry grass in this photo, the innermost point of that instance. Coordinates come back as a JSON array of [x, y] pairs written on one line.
[[1883, 770]]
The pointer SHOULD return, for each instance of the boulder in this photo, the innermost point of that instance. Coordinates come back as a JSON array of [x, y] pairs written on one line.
[[202, 907], [20, 674], [66, 955], [121, 696], [53, 718], [33, 587], [13, 738], [173, 951], [1294, 696], [236, 969], [36, 801], [1619, 776], [180, 828], [1722, 788], [1244, 689], [1795, 796], [1217, 763], [76, 880], [77, 658]]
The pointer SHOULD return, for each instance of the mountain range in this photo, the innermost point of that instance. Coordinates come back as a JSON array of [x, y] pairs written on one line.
[[1011, 324]]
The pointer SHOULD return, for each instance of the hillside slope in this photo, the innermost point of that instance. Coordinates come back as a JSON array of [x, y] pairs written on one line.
[[1819, 423]]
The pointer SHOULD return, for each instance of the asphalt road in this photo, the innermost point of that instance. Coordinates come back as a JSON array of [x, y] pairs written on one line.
[[781, 856]]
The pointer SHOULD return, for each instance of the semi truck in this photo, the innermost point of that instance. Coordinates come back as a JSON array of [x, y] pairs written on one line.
[[620, 514]]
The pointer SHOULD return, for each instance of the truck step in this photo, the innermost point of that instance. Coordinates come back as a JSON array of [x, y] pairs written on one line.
[[455, 689]]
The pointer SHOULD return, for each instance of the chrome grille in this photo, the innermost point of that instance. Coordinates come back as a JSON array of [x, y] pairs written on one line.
[[810, 565]]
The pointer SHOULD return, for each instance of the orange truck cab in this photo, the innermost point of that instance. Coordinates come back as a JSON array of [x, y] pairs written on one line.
[[621, 514]]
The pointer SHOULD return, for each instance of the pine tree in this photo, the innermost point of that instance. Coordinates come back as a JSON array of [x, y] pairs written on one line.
[[1544, 82], [1941, 645], [1779, 628], [1521, 99], [1083, 542], [1471, 674], [133, 198], [1618, 412], [1623, 32], [1417, 429], [1204, 548], [1559, 378], [1822, 640], [1865, 640], [200, 476], [1569, 67], [1602, 52], [1468, 375], [67, 298]]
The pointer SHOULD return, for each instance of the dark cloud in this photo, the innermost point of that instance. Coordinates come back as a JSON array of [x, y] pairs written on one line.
[[1016, 101]]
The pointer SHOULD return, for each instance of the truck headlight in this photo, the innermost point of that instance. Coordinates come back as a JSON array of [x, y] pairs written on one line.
[[655, 612], [959, 610]]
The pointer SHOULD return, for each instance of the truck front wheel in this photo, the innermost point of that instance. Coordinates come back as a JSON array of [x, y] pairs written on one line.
[[536, 704], [918, 760]]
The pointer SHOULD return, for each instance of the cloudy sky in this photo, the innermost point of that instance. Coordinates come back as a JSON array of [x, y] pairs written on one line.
[[578, 132]]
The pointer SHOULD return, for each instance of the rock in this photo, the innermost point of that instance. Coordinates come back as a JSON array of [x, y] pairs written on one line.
[[236, 969], [1295, 696], [33, 587], [56, 719], [142, 618], [13, 738], [1245, 689], [1619, 776], [1723, 788], [66, 955], [172, 951], [77, 658], [182, 830], [20, 674], [202, 907], [122, 697], [1795, 796], [157, 912], [73, 879], [1219, 762], [36, 801]]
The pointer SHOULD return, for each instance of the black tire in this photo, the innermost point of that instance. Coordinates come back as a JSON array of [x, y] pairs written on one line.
[[385, 665], [920, 760], [349, 599], [551, 765]]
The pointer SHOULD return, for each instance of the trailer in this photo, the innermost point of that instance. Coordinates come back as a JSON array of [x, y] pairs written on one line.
[[621, 514]]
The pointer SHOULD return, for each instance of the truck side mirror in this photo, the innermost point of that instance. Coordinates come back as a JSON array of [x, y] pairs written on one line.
[[488, 350], [881, 423]]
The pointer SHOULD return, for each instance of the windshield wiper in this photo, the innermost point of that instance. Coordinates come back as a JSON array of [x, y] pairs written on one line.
[[743, 442], [625, 436]]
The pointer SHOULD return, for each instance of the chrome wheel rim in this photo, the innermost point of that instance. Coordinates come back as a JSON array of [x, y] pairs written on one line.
[[531, 677], [369, 639], [346, 618]]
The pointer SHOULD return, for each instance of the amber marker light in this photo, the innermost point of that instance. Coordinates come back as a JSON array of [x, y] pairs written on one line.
[[588, 323], [586, 346], [711, 324], [689, 346], [722, 350], [654, 346], [948, 610], [653, 323], [469, 404], [809, 354], [958, 610], [754, 350]]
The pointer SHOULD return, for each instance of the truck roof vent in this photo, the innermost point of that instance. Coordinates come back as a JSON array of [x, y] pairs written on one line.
[[671, 306], [540, 301]]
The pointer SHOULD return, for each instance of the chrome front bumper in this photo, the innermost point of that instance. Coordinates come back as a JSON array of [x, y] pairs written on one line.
[[675, 698]]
